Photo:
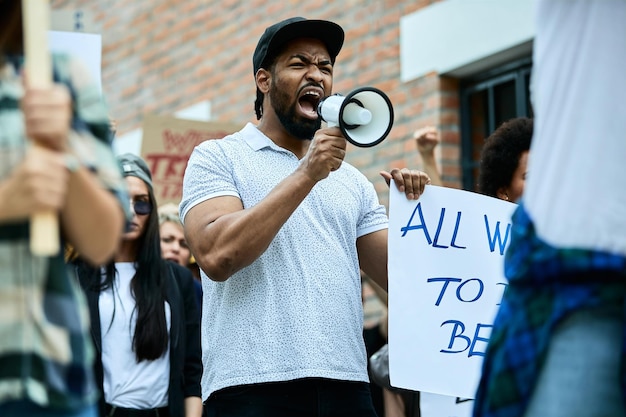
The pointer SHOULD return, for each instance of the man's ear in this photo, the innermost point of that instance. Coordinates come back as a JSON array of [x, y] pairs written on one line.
[[263, 79], [503, 193]]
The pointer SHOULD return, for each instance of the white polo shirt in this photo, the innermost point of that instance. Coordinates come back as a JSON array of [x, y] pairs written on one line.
[[296, 311]]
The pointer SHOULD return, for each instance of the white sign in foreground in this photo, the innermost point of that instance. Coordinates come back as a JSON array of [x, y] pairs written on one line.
[[435, 405], [446, 280]]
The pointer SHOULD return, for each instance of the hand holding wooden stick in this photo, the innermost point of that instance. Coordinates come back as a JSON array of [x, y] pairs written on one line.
[[44, 226]]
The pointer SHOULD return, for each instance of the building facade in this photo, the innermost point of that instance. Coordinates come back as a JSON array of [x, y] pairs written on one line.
[[460, 65]]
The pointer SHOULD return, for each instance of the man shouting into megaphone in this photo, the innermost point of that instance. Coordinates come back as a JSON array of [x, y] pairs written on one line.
[[280, 226]]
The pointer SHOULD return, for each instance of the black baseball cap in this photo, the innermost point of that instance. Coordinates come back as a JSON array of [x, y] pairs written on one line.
[[280, 33]]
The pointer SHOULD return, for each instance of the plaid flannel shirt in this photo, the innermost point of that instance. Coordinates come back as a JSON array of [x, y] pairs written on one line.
[[545, 285], [45, 349]]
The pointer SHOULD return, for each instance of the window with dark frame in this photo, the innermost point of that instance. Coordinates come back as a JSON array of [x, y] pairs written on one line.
[[488, 100]]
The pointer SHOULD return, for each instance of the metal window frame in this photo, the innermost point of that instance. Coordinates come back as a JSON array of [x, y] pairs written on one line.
[[488, 81]]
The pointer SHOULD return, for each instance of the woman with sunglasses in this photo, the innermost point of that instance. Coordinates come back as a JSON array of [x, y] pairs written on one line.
[[144, 317]]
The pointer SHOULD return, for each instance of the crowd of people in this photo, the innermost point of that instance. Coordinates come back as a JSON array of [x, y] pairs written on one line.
[[246, 299]]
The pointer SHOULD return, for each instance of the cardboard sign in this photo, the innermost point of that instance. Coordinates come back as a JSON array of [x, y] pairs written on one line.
[[166, 146], [446, 280]]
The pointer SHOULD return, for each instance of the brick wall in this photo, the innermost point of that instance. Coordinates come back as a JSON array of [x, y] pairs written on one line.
[[160, 56]]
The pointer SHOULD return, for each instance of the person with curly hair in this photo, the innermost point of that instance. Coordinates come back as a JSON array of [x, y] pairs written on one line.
[[504, 160]]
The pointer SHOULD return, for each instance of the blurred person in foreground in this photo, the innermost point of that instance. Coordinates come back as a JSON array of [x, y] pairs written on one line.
[[45, 352], [557, 346]]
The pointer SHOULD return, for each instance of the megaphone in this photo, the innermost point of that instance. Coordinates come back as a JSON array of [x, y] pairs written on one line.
[[365, 116]]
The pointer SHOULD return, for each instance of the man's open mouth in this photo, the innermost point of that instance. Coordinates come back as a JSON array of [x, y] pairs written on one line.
[[309, 100]]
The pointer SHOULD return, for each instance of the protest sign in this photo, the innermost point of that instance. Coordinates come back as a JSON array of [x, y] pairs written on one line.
[[446, 279], [435, 405], [86, 47], [166, 146]]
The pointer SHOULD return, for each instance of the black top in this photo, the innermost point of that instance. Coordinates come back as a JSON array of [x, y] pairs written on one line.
[[185, 349]]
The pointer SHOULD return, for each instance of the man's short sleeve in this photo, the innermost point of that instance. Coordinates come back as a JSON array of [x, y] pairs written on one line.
[[208, 175], [374, 216]]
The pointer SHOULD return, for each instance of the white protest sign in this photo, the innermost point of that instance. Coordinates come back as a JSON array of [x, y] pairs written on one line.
[[435, 405], [446, 280], [85, 47]]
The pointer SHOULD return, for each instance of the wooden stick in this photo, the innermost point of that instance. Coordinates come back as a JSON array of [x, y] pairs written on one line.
[[44, 226]]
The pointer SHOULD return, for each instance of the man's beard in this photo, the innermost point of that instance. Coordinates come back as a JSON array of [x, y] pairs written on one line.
[[298, 127]]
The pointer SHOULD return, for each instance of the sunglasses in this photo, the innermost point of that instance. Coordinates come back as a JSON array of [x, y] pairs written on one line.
[[141, 208]]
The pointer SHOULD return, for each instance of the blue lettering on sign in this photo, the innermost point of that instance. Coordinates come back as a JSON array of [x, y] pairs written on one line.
[[481, 288], [505, 287], [446, 281], [496, 236], [457, 325], [457, 335], [456, 231], [478, 338], [422, 226]]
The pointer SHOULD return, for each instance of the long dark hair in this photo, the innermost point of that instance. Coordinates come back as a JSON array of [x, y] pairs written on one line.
[[11, 32], [148, 286]]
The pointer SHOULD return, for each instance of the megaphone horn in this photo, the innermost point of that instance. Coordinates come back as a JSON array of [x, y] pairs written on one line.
[[365, 115]]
